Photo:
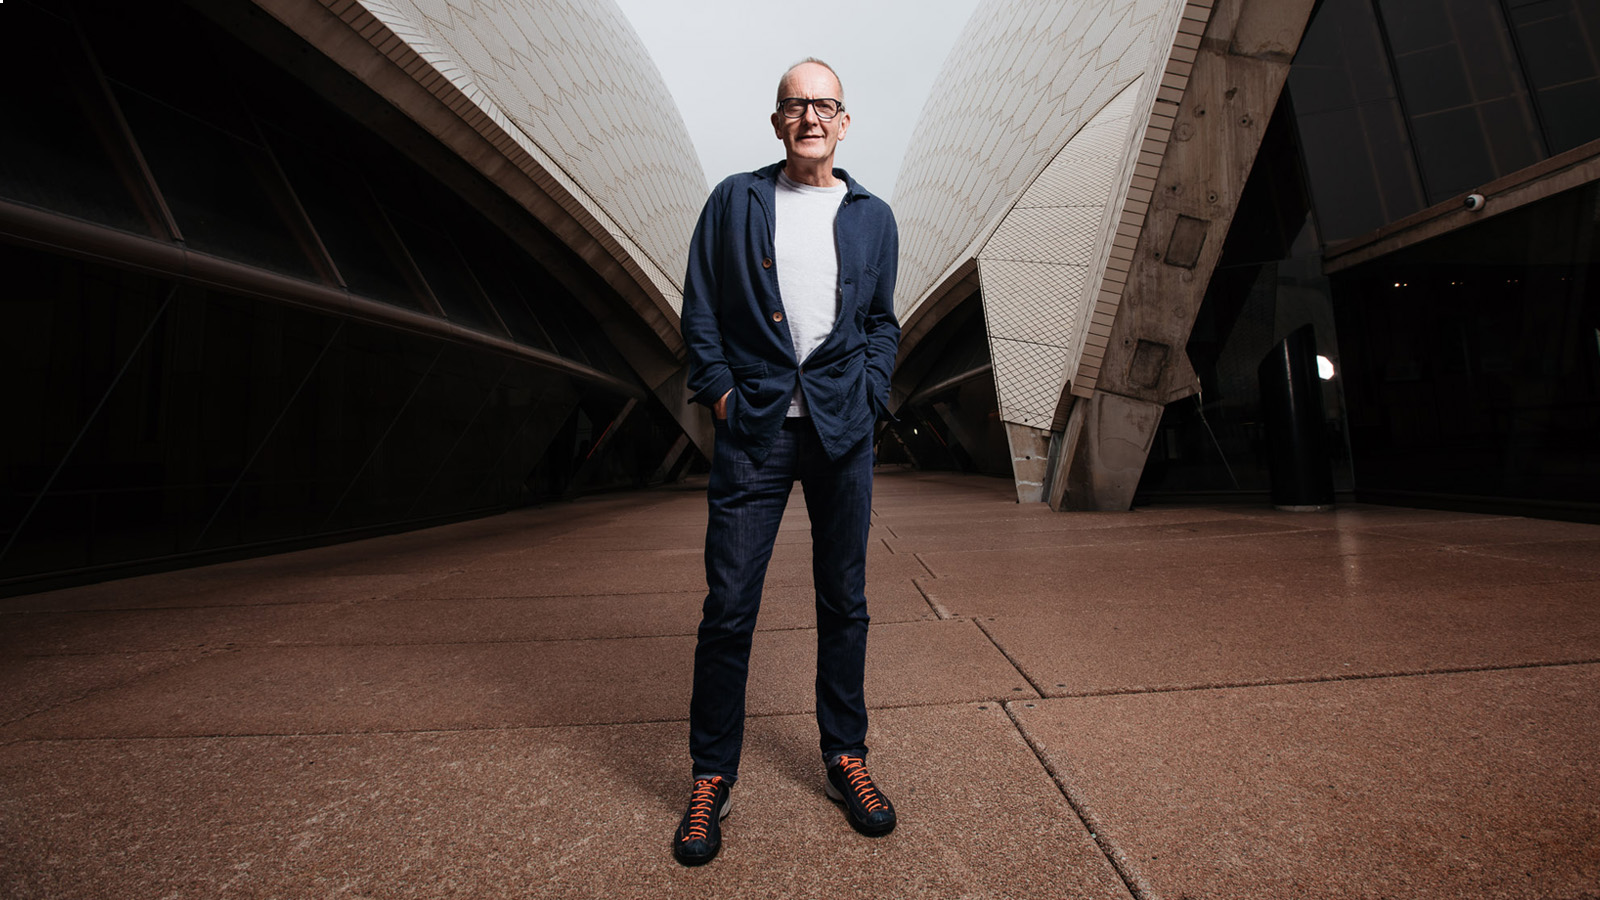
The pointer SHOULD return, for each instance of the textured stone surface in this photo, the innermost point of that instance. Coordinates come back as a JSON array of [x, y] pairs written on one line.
[[492, 814], [1481, 784], [400, 717]]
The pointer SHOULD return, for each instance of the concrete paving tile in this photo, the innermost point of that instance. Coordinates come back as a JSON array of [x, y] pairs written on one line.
[[1467, 785], [786, 606], [908, 664], [1420, 576], [240, 589], [405, 554], [119, 593], [977, 538], [490, 815], [1355, 515], [792, 562], [1326, 564], [321, 690], [947, 769], [683, 526], [429, 550], [552, 570], [913, 530], [546, 572], [1168, 547], [1580, 555], [687, 538], [1481, 530], [1131, 646], [557, 688], [389, 621], [34, 684], [161, 628], [414, 687]]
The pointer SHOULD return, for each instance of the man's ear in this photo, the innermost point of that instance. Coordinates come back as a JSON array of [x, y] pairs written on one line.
[[844, 125], [777, 126]]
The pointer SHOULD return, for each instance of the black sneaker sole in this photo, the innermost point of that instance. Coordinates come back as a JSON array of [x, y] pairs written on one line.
[[855, 823], [691, 861]]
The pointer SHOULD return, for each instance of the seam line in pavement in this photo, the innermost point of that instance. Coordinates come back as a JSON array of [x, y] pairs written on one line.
[[1020, 671], [1313, 679], [1004, 702], [1482, 551], [230, 646], [938, 609], [376, 732], [462, 729], [1129, 879]]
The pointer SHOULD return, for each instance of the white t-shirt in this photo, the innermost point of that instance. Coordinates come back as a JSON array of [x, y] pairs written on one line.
[[808, 266]]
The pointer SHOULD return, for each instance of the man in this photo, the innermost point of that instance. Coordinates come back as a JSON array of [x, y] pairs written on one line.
[[788, 313]]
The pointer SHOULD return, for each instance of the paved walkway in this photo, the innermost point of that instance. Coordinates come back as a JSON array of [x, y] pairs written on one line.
[[1198, 702]]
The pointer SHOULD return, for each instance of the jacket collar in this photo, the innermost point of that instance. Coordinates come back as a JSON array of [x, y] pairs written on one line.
[[769, 175]]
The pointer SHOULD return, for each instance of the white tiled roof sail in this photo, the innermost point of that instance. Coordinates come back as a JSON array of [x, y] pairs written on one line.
[[1036, 269], [572, 78], [1022, 159]]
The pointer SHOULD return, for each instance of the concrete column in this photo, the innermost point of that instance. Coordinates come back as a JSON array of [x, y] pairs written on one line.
[[1030, 460], [672, 462], [694, 419], [1103, 452], [1211, 116]]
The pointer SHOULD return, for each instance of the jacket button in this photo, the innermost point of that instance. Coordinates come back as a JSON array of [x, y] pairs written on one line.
[[777, 315], [766, 263]]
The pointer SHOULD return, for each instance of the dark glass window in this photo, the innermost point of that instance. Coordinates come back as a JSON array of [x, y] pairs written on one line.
[[1473, 359], [1461, 82], [555, 309], [447, 274], [1559, 42], [352, 228], [1267, 285], [162, 417], [1358, 156], [508, 282], [223, 191], [61, 147]]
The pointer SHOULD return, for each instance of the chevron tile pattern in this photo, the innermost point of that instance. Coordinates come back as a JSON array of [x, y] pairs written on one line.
[[1037, 268], [572, 79], [1025, 158], [1025, 77]]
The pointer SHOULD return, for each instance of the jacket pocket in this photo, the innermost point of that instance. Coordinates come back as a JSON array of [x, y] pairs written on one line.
[[748, 371]]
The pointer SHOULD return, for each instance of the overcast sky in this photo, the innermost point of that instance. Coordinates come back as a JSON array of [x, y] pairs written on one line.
[[722, 59]]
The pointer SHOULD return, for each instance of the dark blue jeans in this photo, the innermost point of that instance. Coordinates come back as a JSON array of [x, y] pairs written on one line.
[[747, 503]]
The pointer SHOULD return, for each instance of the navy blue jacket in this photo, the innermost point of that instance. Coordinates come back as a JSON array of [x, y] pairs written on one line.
[[738, 335]]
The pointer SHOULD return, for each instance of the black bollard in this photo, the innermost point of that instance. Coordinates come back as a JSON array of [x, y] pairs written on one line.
[[1291, 403]]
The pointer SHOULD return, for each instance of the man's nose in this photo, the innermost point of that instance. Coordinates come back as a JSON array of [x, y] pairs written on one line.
[[811, 116]]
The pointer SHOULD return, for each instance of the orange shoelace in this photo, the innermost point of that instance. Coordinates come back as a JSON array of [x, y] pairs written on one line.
[[701, 800], [855, 770]]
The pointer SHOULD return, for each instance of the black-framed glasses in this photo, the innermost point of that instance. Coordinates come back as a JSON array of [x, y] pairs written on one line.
[[795, 107]]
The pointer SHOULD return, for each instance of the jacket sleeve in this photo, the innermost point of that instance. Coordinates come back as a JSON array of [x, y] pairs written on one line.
[[882, 328], [709, 377]]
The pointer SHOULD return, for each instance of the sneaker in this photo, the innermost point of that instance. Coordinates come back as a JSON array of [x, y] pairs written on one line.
[[699, 835], [868, 810]]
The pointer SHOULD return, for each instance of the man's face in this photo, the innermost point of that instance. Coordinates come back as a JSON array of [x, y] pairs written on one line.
[[810, 137]]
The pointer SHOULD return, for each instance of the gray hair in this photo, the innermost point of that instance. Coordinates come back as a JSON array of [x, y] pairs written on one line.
[[810, 59]]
